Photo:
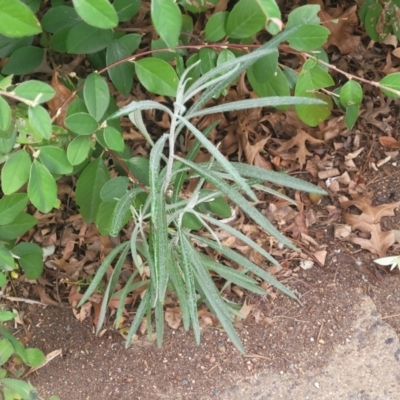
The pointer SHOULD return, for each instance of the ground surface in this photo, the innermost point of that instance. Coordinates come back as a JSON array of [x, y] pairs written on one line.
[[298, 340]]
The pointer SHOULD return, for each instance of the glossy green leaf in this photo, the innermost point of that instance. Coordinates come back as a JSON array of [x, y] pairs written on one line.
[[37, 91], [11, 206], [372, 20], [121, 75], [264, 68], [191, 221], [30, 258], [34, 5], [35, 357], [215, 27], [42, 188], [40, 120], [98, 13], [303, 15], [164, 55], [78, 150], [7, 138], [59, 17], [126, 9], [22, 388], [186, 29], [157, 76], [17, 19], [275, 85], [15, 172], [81, 123], [55, 160], [351, 93], [96, 95], [104, 216], [312, 77], [272, 14], [5, 115], [9, 45], [220, 207], [352, 113], [140, 167], [6, 259], [391, 81], [88, 187], [114, 189], [245, 20], [208, 59], [23, 60], [83, 38], [6, 350], [113, 139], [6, 315], [198, 5], [20, 225], [58, 41], [6, 82], [167, 20], [309, 37]]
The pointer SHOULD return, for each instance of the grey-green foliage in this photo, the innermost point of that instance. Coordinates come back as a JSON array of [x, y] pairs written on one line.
[[164, 237]]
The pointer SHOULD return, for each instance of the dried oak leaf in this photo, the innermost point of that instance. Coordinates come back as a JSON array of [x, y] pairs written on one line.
[[299, 141], [378, 243], [341, 24], [370, 214]]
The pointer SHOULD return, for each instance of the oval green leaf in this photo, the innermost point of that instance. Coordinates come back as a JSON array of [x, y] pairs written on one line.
[[391, 81], [6, 259], [5, 115], [30, 258], [114, 189], [40, 121], [81, 123], [113, 139], [88, 187], [23, 60], [55, 160], [96, 95], [167, 20], [42, 188], [245, 20], [215, 27], [59, 17], [351, 93], [18, 227], [15, 172], [78, 150], [126, 9], [98, 13], [17, 19], [157, 76], [83, 38], [11, 206], [34, 90]]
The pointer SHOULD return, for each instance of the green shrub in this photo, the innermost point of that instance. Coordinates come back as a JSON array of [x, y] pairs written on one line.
[[36, 149]]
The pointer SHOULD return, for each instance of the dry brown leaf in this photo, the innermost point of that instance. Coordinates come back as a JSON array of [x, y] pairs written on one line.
[[341, 24], [370, 214], [173, 317], [62, 95], [390, 142], [379, 241], [299, 141], [44, 297]]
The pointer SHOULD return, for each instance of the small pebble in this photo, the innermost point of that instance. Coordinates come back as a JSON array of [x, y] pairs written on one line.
[[316, 384]]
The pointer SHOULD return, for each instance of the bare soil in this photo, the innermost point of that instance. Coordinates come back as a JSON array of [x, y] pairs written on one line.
[[297, 337]]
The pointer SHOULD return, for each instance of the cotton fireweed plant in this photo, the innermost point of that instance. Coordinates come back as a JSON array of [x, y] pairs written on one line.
[[171, 229]]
